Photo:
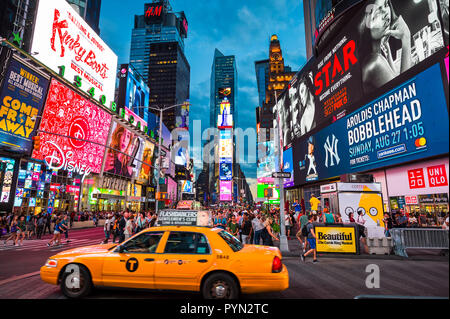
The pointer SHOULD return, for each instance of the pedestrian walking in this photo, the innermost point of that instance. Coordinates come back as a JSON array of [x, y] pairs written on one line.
[[303, 220], [40, 226], [65, 227], [328, 217], [246, 228], [116, 233], [362, 230], [258, 227], [288, 225], [48, 220], [12, 231], [128, 231], [30, 226], [107, 228], [21, 230], [233, 227], [267, 233], [311, 238], [56, 240]]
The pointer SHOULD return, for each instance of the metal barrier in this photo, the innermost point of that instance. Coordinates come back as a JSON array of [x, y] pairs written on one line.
[[418, 238]]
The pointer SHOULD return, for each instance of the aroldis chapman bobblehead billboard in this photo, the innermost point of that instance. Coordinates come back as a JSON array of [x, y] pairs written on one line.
[[407, 123]]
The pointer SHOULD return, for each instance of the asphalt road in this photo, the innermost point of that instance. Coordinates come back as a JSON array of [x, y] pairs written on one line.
[[331, 278]]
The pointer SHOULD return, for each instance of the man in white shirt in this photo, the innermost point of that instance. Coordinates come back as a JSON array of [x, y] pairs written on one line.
[[445, 226], [128, 227], [258, 228]]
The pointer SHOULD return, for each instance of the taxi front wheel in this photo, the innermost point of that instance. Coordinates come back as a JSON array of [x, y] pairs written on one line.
[[220, 286], [76, 281]]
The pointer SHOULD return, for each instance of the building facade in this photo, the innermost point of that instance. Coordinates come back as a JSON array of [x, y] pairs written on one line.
[[157, 53]]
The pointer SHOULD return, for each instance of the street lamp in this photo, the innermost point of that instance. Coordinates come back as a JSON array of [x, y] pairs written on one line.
[[160, 110], [284, 247]]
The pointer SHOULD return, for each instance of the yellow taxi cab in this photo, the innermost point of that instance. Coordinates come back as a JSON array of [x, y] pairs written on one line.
[[189, 258]]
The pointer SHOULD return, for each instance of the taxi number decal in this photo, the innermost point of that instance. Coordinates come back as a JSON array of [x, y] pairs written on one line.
[[132, 264], [223, 257]]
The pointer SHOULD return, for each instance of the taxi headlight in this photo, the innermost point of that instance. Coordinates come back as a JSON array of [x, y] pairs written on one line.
[[51, 263]]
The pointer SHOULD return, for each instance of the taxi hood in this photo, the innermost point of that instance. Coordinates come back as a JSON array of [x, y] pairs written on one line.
[[96, 249]]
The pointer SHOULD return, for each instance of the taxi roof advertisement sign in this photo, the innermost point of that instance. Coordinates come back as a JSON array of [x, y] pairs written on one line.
[[21, 99], [184, 218], [65, 43]]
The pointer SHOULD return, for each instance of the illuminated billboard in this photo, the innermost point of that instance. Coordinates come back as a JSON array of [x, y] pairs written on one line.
[[134, 93], [65, 43], [363, 59], [226, 191], [147, 159], [226, 148], [186, 187], [226, 170], [182, 118], [225, 107], [21, 99], [124, 157], [224, 93], [68, 114], [224, 121]]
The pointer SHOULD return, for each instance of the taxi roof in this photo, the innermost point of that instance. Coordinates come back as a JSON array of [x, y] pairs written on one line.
[[201, 229]]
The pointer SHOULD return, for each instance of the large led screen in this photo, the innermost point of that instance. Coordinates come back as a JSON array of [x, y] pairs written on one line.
[[405, 124], [147, 162], [67, 114], [124, 155], [21, 99], [65, 43], [225, 191], [379, 43]]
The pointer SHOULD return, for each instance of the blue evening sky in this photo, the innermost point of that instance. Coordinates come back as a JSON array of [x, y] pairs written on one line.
[[239, 28]]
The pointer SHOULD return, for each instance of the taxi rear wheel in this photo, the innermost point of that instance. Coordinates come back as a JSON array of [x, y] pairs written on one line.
[[220, 286], [76, 281]]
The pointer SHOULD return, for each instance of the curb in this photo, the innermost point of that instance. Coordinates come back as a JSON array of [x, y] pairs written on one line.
[[374, 257]]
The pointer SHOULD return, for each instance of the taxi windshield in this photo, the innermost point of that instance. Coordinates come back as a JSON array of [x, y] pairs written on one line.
[[232, 241]]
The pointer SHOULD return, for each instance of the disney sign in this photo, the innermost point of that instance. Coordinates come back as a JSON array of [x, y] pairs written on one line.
[[62, 160]]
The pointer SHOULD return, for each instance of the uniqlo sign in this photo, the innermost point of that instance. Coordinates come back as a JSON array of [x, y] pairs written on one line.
[[416, 178], [437, 176], [65, 43], [411, 200]]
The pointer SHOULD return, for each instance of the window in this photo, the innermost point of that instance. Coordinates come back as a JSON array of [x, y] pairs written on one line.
[[145, 243], [232, 241], [187, 243]]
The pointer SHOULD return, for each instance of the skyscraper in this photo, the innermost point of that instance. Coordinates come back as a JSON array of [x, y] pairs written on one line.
[[89, 10], [223, 115], [157, 53]]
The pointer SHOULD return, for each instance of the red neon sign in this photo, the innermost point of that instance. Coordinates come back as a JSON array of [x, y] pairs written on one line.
[[153, 11]]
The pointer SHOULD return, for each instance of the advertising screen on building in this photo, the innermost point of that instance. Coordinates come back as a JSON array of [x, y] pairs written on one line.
[[226, 170], [67, 114], [154, 12], [224, 93], [124, 157], [224, 121], [134, 94], [362, 59], [267, 162], [225, 191], [65, 43], [288, 166], [226, 148], [186, 187], [182, 118], [147, 158], [134, 119], [22, 96], [407, 123]]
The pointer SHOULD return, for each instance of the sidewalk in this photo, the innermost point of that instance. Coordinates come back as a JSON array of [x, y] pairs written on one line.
[[87, 224], [414, 254]]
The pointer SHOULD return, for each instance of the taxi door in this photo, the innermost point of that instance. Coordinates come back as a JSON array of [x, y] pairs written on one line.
[[132, 264], [185, 257]]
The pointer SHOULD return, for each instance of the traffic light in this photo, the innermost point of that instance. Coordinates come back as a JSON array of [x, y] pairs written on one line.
[[268, 192], [36, 142], [162, 196]]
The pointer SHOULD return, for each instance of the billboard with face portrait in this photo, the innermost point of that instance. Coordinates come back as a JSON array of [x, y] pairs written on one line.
[[380, 43], [67, 114], [124, 157], [147, 162]]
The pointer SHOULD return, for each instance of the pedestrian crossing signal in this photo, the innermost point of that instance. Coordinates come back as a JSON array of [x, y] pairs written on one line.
[[36, 142], [268, 192], [162, 196]]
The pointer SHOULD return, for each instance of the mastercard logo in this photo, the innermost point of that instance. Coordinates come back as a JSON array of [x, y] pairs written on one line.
[[421, 142]]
